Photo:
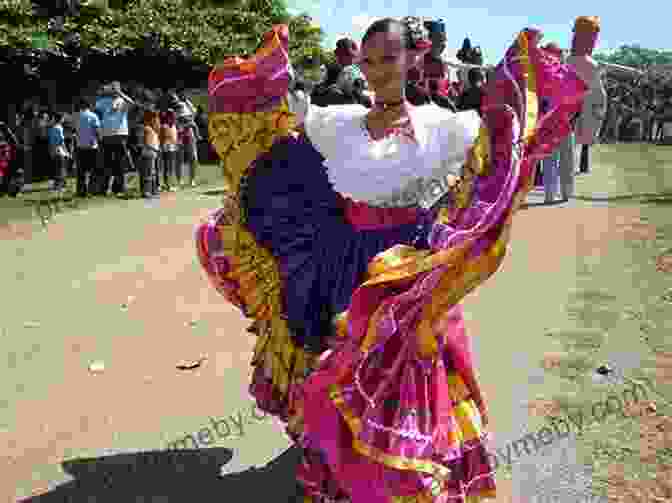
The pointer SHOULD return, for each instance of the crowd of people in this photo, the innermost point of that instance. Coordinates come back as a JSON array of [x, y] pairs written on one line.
[[155, 134], [632, 117], [344, 83]]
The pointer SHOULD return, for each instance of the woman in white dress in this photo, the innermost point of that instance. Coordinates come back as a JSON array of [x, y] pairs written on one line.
[[350, 236]]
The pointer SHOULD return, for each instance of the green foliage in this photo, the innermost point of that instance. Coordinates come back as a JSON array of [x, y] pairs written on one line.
[[208, 33], [636, 56]]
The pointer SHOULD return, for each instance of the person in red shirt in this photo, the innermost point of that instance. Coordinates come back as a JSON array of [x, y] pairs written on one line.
[[8, 146], [347, 52]]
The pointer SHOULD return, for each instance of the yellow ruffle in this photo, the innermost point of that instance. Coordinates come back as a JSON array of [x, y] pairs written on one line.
[[282, 360], [240, 139], [428, 497]]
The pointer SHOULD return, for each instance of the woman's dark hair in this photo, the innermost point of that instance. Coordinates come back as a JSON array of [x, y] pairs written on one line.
[[412, 30], [346, 44], [475, 75], [333, 71]]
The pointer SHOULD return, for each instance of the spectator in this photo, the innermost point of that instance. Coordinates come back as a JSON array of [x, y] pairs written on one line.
[[89, 135], [43, 121], [24, 133], [352, 84], [58, 153], [169, 149], [201, 120], [328, 92], [472, 98], [39, 126], [7, 153], [185, 108], [69, 132], [346, 52], [550, 165], [14, 175], [188, 136], [440, 99], [416, 94], [151, 150], [113, 107], [188, 139]]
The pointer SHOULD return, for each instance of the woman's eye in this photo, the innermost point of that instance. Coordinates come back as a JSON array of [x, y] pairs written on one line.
[[389, 59]]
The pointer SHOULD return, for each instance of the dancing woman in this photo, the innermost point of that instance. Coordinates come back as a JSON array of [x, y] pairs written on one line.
[[350, 237]]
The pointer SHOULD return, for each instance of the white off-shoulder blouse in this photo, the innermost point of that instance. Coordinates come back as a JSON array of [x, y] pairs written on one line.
[[396, 170]]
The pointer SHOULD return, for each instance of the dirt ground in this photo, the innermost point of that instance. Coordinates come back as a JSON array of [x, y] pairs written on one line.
[[121, 285]]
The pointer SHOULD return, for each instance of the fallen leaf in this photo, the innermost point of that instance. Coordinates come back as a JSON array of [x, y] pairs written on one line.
[[638, 230], [97, 366], [543, 408], [192, 364], [664, 262], [664, 367], [552, 360]]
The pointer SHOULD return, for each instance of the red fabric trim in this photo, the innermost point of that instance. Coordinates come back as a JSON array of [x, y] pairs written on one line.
[[364, 217]]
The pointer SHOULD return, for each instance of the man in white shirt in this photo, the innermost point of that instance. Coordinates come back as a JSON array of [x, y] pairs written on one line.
[[113, 106]]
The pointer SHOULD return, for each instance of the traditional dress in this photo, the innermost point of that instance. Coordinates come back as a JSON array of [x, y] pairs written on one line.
[[352, 257]]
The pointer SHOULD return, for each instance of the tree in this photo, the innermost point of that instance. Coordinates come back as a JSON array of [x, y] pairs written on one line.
[[99, 44], [636, 56], [207, 33]]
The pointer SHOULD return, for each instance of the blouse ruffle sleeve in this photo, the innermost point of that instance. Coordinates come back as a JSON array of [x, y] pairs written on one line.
[[325, 126], [457, 134]]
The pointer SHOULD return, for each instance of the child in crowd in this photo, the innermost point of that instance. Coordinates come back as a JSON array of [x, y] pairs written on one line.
[[151, 150], [187, 136], [57, 152], [169, 149], [6, 156]]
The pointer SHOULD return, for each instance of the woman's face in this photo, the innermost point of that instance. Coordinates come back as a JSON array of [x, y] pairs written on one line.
[[384, 63]]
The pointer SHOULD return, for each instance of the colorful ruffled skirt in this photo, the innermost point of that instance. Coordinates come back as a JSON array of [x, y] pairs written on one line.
[[361, 346], [324, 250]]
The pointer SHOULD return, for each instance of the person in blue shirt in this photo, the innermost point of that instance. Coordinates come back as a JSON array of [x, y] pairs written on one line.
[[113, 106], [88, 159], [57, 151]]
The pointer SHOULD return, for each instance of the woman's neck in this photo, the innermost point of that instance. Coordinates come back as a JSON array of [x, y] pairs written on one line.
[[387, 104]]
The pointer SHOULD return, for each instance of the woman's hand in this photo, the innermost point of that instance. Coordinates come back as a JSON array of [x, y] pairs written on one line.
[[453, 181]]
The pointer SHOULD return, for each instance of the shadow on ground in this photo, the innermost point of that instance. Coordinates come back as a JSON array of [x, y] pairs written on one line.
[[525, 206], [213, 192], [180, 476], [649, 198]]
